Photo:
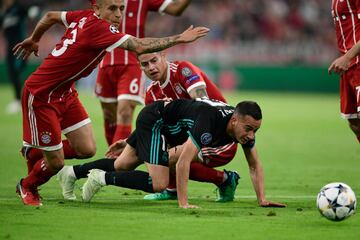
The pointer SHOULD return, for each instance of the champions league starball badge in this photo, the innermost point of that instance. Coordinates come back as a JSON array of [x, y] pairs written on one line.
[[206, 138], [113, 29]]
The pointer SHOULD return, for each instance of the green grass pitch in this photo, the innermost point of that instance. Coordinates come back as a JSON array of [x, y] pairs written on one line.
[[303, 144]]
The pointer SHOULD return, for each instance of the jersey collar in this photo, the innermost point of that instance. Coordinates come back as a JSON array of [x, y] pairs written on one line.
[[167, 77]]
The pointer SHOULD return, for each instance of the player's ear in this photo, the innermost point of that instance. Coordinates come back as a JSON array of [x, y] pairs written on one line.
[[96, 9]]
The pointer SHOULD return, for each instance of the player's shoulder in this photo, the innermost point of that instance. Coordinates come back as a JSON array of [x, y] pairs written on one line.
[[153, 85], [186, 69], [99, 26]]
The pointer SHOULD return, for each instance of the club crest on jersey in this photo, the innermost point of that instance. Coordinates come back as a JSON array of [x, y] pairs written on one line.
[[45, 137], [206, 138], [186, 72], [113, 29]]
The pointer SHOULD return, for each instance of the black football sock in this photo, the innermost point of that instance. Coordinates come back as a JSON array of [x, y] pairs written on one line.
[[82, 170], [136, 179]]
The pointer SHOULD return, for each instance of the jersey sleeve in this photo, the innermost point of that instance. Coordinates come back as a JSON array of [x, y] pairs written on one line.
[[106, 36], [68, 17], [159, 5], [190, 76]]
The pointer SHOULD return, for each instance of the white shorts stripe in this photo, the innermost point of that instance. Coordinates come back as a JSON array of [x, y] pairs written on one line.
[[107, 100], [351, 116], [32, 121], [76, 126], [135, 98], [47, 148]]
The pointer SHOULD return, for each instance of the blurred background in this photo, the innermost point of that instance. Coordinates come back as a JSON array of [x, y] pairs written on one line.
[[282, 45]]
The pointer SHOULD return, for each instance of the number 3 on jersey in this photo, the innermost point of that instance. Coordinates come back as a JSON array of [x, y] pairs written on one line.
[[66, 43]]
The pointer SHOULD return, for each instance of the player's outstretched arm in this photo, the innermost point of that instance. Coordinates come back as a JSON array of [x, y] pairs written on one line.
[[31, 44], [341, 64], [182, 173], [147, 45], [257, 178]]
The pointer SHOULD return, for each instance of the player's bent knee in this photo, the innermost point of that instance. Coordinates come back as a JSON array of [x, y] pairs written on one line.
[[56, 166], [87, 152]]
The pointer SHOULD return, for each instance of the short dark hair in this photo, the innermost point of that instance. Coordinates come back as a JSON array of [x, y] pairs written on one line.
[[250, 108]]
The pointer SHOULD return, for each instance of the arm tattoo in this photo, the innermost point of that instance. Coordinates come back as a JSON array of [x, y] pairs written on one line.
[[146, 45]]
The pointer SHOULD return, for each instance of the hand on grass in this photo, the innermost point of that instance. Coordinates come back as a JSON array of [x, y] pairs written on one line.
[[266, 203]]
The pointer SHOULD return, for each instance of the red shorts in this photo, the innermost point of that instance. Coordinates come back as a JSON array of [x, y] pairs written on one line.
[[219, 156], [44, 122], [350, 93], [120, 82]]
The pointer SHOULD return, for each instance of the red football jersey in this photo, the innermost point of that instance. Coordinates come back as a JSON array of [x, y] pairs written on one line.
[[83, 45], [133, 23], [181, 78], [346, 15]]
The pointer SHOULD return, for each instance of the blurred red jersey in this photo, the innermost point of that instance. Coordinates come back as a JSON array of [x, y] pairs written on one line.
[[181, 78], [133, 23], [346, 15], [82, 47]]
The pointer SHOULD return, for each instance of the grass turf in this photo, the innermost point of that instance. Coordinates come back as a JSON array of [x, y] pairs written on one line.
[[303, 145]]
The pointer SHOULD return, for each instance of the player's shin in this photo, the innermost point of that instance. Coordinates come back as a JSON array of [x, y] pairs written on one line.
[[202, 173], [38, 176], [136, 179], [82, 170], [122, 132], [110, 129]]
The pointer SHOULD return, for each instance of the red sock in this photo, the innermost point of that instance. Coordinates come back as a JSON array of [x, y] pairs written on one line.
[[201, 173], [358, 138], [69, 153], [109, 132], [38, 176], [172, 182], [32, 156], [122, 132]]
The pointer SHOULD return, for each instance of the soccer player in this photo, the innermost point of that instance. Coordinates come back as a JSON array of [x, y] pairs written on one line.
[[171, 80], [195, 124], [120, 83], [50, 102], [347, 25], [13, 19]]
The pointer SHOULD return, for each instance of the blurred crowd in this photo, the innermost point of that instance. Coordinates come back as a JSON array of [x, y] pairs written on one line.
[[249, 32]]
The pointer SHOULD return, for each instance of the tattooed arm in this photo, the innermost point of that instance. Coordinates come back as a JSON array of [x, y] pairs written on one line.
[[198, 92], [146, 45]]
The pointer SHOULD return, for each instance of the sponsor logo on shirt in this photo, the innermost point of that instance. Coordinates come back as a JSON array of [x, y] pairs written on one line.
[[98, 88], [192, 78], [178, 89], [113, 29], [186, 72], [206, 138], [45, 137]]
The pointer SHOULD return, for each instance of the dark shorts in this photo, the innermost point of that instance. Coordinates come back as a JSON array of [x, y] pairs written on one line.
[[147, 139]]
